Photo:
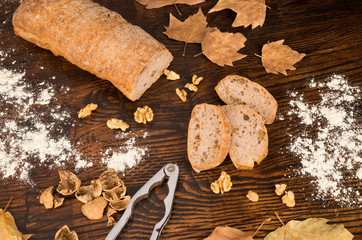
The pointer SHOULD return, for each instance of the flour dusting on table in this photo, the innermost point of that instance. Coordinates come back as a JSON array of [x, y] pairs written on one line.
[[330, 146]]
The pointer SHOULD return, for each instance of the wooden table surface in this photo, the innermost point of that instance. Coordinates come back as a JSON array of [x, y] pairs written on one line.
[[329, 32]]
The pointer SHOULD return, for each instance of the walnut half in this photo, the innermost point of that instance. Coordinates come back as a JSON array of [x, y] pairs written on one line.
[[223, 184], [143, 115], [117, 124], [87, 110], [182, 94]]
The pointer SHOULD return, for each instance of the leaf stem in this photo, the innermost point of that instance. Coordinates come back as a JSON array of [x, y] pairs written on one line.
[[7, 205], [257, 230], [178, 11], [257, 55]]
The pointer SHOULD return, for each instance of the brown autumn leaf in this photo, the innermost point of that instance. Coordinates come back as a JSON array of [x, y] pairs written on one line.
[[228, 233], [8, 228], [311, 229], [222, 47], [277, 58], [161, 3], [192, 30], [248, 12]]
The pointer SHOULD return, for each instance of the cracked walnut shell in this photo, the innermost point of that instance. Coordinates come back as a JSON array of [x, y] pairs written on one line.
[[87, 110], [94, 209], [109, 180], [223, 184], [117, 124], [69, 183], [65, 234], [88, 193], [49, 200], [115, 194], [120, 204], [143, 115]]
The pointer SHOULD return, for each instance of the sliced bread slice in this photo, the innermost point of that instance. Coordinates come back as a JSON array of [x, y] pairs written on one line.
[[234, 89], [249, 137], [209, 137]]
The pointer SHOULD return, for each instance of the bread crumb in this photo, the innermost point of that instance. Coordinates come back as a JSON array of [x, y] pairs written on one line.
[[288, 199], [223, 184], [280, 189], [117, 124], [196, 80], [252, 196], [143, 115], [191, 87], [87, 110], [182, 94], [171, 75]]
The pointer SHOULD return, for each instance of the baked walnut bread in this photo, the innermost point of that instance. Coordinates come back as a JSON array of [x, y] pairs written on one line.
[[236, 90], [209, 137], [95, 39], [249, 137]]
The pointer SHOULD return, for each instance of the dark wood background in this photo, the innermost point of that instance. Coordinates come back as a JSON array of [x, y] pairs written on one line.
[[329, 32]]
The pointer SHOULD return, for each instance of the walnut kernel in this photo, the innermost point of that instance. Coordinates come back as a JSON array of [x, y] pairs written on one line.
[[223, 184], [87, 110], [196, 80], [171, 75], [143, 115], [280, 189], [182, 94], [288, 199], [252, 196], [117, 124], [191, 87]]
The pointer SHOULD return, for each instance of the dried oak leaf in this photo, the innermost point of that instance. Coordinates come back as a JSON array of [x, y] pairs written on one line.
[[65, 234], [248, 12], [109, 180], [161, 3], [311, 229], [8, 228], [228, 233], [277, 58], [115, 194], [90, 192], [222, 47], [120, 204], [69, 183], [49, 200], [94, 209], [192, 30]]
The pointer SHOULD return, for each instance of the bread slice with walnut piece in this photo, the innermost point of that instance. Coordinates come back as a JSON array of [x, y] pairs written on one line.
[[209, 137], [249, 137], [234, 89]]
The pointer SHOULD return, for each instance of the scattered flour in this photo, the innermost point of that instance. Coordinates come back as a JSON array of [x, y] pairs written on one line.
[[126, 156], [330, 147]]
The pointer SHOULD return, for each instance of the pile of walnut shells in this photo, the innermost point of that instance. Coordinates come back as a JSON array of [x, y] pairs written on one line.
[[107, 189]]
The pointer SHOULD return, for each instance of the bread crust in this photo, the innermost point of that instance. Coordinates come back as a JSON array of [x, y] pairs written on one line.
[[225, 141], [265, 92], [92, 37], [263, 153]]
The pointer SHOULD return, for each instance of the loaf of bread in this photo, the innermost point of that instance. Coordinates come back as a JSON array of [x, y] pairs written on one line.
[[235, 90], [249, 137], [95, 39], [209, 137]]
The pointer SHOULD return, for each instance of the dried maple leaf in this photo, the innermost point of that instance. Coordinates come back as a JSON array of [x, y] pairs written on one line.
[[277, 58], [192, 30], [222, 47], [161, 3], [8, 228], [228, 233], [311, 229], [248, 12]]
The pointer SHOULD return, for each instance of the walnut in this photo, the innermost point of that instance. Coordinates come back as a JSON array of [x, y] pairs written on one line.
[[110, 180], [171, 75], [223, 184], [182, 94], [196, 80], [49, 200], [69, 183], [252, 196], [288, 199], [65, 233], [117, 124], [191, 87], [94, 209], [88, 193], [87, 110], [143, 115], [280, 188]]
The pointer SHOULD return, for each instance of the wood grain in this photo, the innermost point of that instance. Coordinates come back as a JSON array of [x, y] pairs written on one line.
[[329, 32]]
